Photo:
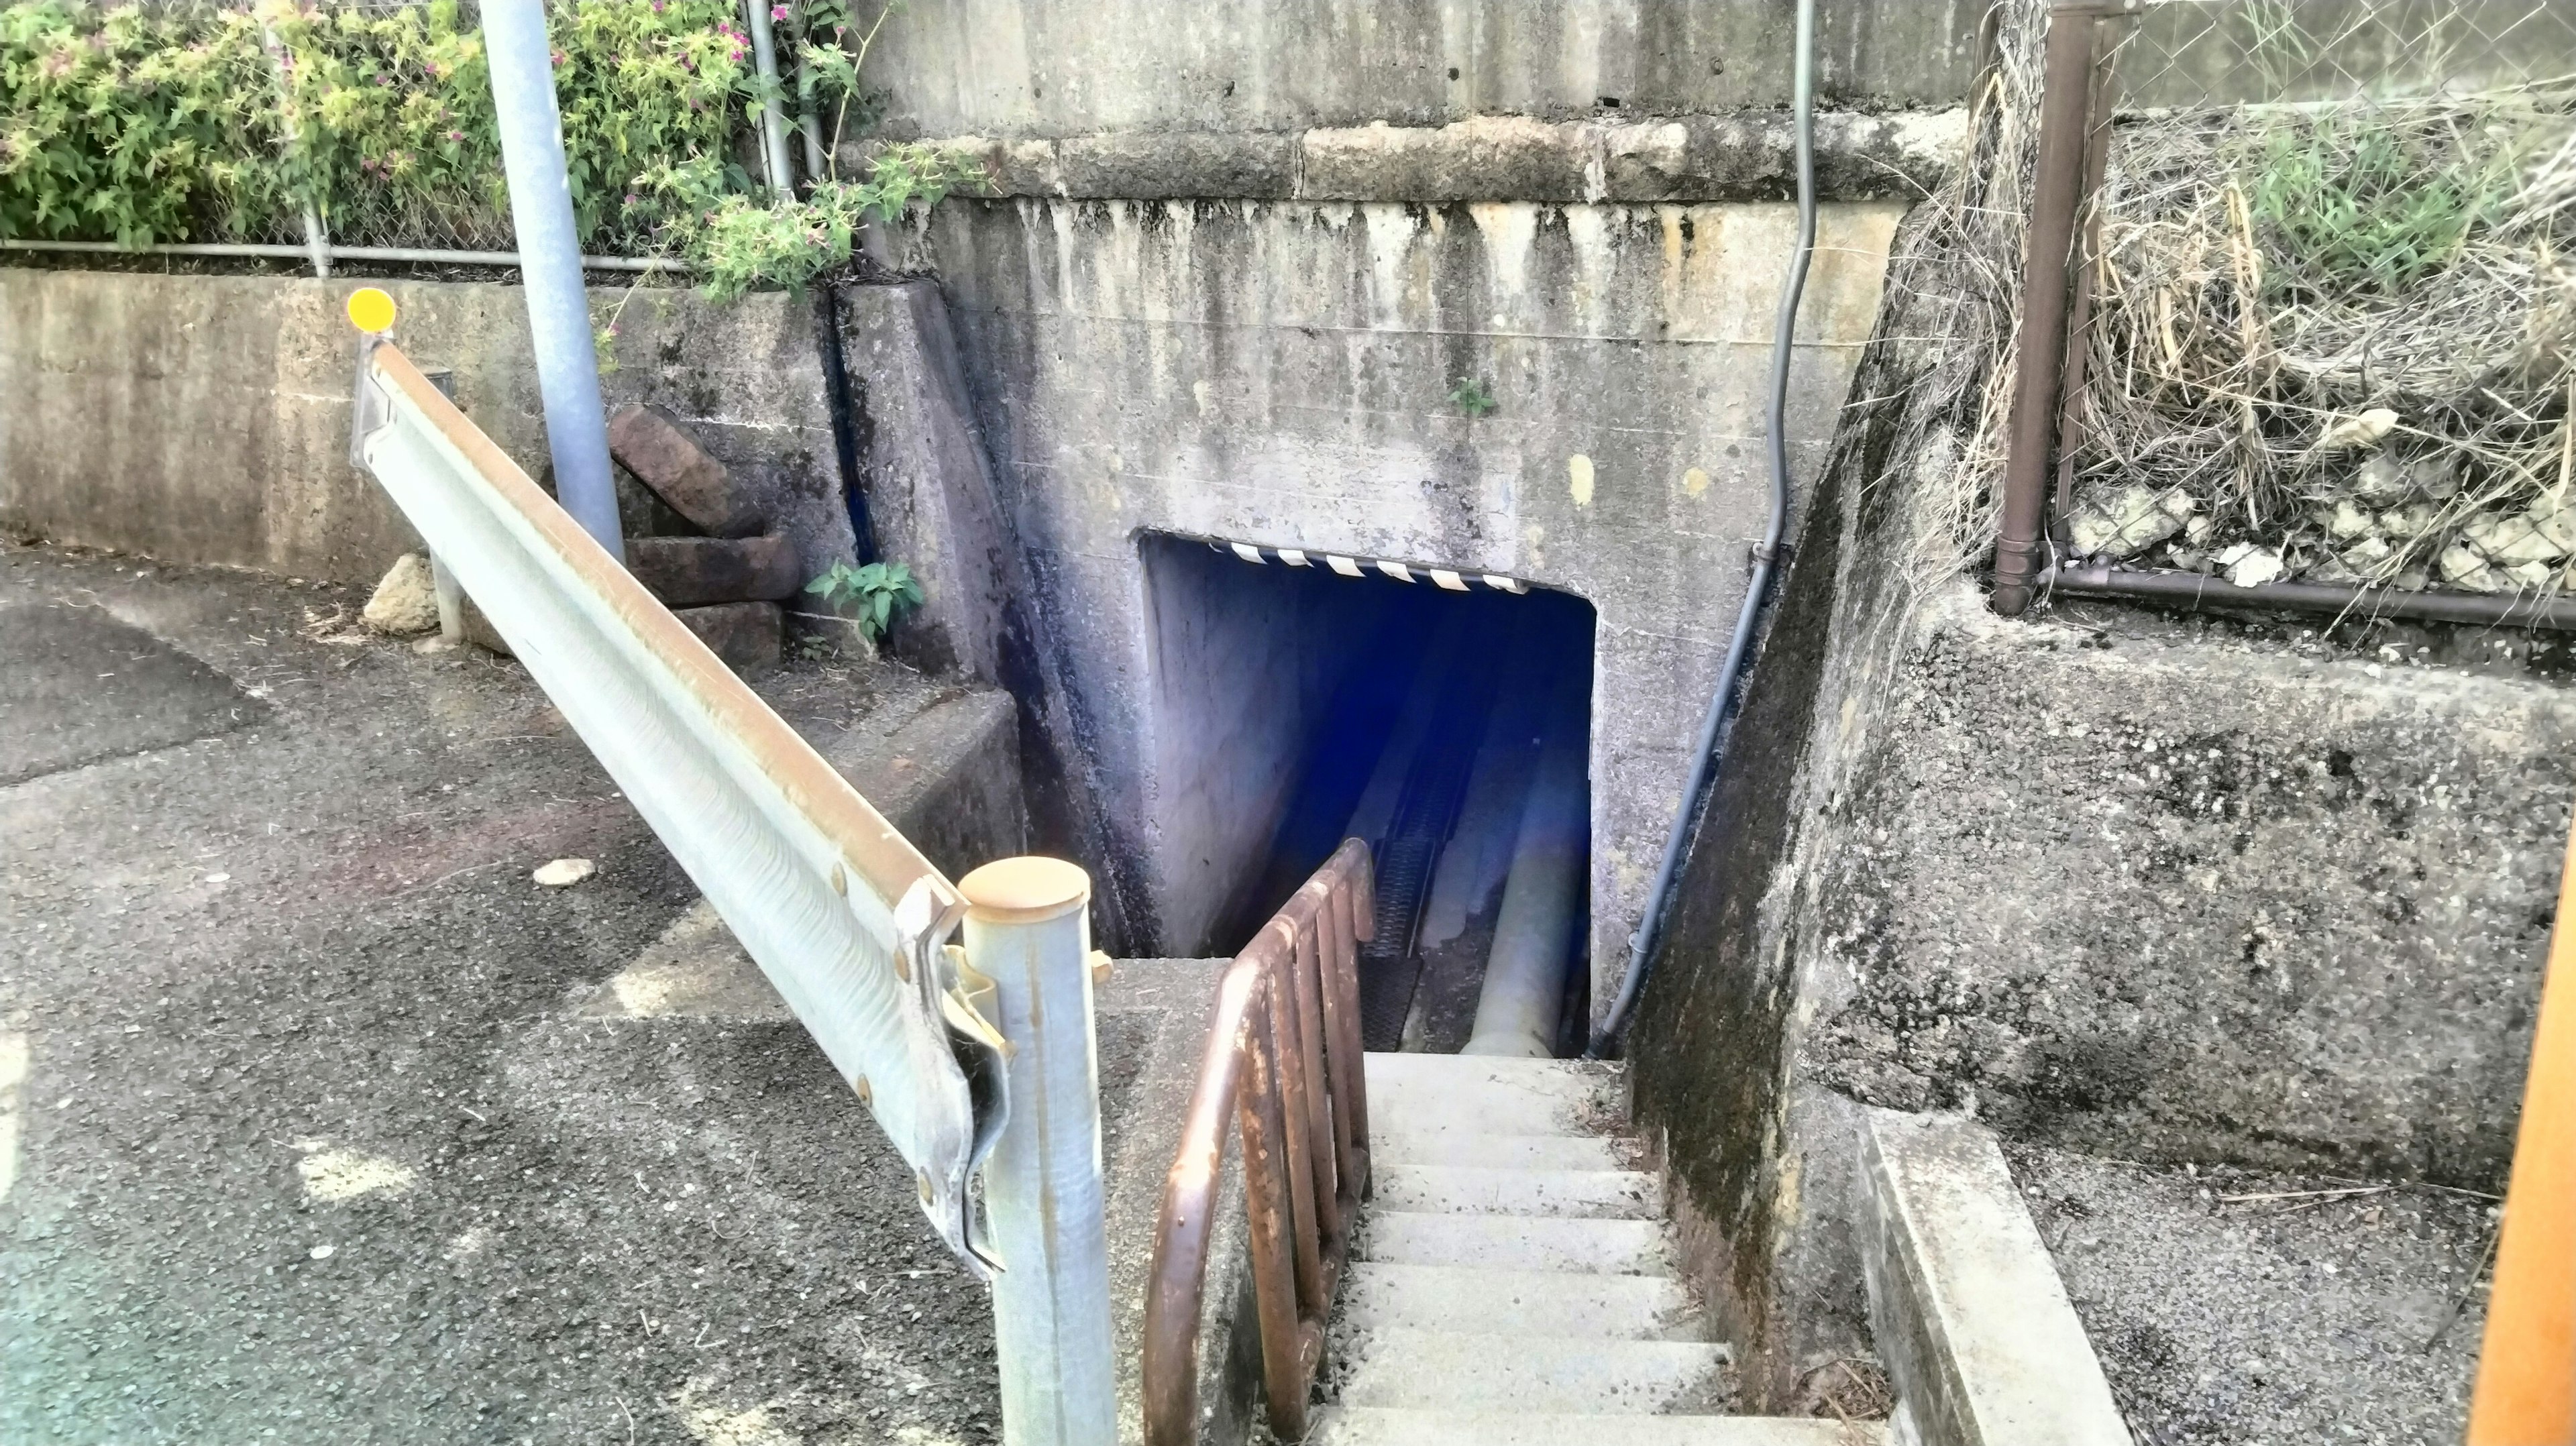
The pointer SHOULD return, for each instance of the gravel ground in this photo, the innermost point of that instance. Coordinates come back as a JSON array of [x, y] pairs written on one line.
[[310, 1149], [2298, 1318]]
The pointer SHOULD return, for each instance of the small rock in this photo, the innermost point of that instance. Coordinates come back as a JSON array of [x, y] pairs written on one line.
[[2124, 524], [2464, 569], [2530, 576], [2510, 540], [2382, 482], [2251, 566], [321, 1252], [2346, 434], [2189, 559], [2366, 555], [2412, 520], [2555, 519], [406, 602], [564, 873], [2346, 522], [2435, 477]]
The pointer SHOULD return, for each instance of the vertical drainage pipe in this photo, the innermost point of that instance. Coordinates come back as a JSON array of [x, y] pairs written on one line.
[[1537, 929], [2057, 194], [532, 154], [1028, 931], [1766, 557]]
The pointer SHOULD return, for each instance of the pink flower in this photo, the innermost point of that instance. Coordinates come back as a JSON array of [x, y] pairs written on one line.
[[777, 12], [456, 135]]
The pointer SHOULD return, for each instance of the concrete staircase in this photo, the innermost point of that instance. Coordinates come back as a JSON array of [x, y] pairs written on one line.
[[1513, 1282]]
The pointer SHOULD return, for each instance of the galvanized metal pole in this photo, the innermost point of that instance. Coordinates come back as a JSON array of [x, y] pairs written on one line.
[[1028, 930], [532, 154], [773, 112]]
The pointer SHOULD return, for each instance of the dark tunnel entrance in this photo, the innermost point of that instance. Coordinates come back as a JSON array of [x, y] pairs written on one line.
[[1298, 706]]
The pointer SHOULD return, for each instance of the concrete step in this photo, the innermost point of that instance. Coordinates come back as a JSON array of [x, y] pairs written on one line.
[[1473, 1190], [1383, 1426], [1380, 1296], [1418, 1369], [1392, 1143], [1516, 1242], [1490, 1095]]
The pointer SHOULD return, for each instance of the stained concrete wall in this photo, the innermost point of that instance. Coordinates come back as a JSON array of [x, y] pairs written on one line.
[[1279, 373], [1062, 67], [2264, 893], [206, 418]]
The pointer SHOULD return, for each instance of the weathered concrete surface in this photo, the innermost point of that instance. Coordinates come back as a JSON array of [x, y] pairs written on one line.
[[1737, 156], [2231, 1306], [78, 685], [2171, 899], [313, 1140], [1016, 68], [1279, 373], [206, 418], [936, 504], [1966, 1306], [2302, 932]]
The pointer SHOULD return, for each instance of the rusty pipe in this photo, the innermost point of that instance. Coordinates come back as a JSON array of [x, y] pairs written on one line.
[[2194, 590], [2057, 194]]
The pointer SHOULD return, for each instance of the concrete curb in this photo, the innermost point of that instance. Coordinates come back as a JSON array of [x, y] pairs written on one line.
[[1970, 1317]]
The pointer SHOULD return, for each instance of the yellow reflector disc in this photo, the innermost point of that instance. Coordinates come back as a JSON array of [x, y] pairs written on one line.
[[371, 310]]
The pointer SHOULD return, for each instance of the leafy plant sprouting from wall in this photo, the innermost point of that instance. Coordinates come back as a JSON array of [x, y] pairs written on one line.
[[874, 596]]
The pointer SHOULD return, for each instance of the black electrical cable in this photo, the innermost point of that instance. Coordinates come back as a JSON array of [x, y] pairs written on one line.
[[1766, 559]]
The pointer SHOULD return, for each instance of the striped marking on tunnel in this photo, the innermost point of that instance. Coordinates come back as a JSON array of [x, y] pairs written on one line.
[[1449, 579]]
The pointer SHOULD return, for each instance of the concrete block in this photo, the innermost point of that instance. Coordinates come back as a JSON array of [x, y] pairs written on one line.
[[1382, 1426], [1440, 1369], [687, 571], [662, 453], [1508, 1242], [1964, 1301], [1377, 1295], [744, 634], [1474, 1190]]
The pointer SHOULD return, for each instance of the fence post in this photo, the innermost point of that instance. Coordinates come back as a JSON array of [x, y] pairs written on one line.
[[317, 241], [1028, 930]]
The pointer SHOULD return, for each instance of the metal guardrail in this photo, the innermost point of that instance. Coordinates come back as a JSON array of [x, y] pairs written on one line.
[[843, 914], [1283, 1060]]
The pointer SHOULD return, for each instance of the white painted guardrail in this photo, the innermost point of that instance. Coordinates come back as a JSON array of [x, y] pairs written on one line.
[[846, 918]]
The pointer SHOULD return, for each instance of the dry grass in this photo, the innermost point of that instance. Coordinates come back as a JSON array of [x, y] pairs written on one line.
[[2272, 284]]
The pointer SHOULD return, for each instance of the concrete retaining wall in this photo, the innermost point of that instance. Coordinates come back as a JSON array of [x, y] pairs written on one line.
[[1061, 67], [206, 418], [1279, 373]]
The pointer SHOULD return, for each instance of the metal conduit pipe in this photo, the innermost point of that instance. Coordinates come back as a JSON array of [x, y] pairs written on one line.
[[1766, 556], [263, 251], [773, 116], [532, 158], [1538, 930], [2193, 590]]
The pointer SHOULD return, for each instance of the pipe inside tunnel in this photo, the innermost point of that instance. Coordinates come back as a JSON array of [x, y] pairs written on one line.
[[1296, 707]]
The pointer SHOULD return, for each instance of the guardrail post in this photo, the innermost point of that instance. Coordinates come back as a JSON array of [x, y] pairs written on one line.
[[1028, 930]]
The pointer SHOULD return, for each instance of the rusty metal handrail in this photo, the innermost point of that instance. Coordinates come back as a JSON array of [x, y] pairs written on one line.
[[1293, 1080]]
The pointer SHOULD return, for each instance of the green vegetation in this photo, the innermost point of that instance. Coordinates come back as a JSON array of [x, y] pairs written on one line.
[[1472, 396], [874, 596], [176, 123], [2372, 202]]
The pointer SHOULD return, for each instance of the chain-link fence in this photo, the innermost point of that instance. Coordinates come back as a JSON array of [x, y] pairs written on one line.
[[2321, 330]]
